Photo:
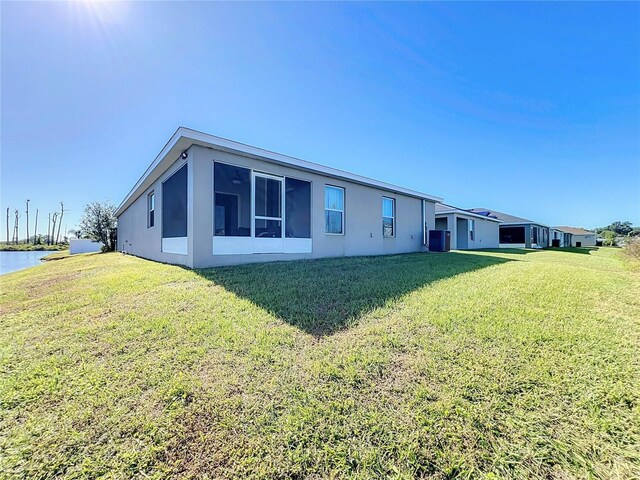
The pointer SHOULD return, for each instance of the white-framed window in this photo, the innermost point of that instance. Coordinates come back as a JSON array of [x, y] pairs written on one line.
[[151, 210], [472, 230], [333, 210], [388, 217]]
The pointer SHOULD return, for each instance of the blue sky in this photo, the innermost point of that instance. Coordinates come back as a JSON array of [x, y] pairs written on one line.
[[528, 108]]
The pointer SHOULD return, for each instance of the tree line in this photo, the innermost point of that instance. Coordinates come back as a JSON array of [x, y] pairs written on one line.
[[54, 227], [617, 233]]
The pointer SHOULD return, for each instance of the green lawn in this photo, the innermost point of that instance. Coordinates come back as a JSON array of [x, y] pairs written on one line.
[[509, 364]]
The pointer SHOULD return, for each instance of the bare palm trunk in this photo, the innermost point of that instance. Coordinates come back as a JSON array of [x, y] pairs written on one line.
[[53, 229], [27, 220], [49, 231], [7, 224], [15, 227], [35, 229], [60, 222]]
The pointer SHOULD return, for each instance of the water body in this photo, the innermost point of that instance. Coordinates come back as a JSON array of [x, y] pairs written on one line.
[[13, 261]]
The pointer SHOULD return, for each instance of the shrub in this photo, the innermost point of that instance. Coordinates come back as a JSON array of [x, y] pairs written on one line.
[[632, 248]]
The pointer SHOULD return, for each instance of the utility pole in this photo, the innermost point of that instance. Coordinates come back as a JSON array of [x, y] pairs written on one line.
[[35, 229], [27, 220]]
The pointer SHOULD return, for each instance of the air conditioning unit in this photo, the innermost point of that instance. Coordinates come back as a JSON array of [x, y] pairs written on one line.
[[439, 240]]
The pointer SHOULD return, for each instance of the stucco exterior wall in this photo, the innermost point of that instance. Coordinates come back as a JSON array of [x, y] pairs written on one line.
[[442, 223], [362, 223], [586, 240], [487, 235], [136, 238], [486, 231]]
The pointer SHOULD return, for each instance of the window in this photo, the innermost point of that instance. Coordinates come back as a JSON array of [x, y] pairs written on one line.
[[151, 208], [174, 205], [232, 197], [534, 234], [297, 208], [388, 216], [472, 230], [333, 210]]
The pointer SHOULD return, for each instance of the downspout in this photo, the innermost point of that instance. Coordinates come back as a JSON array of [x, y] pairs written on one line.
[[425, 232]]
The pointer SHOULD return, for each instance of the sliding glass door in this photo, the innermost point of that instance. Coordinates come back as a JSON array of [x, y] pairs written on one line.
[[267, 213]]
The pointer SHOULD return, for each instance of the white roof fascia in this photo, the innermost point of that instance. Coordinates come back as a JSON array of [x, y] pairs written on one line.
[[185, 138], [526, 223], [470, 214]]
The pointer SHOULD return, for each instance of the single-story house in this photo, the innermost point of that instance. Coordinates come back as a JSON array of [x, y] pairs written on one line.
[[468, 230], [207, 201], [564, 238], [517, 232], [580, 237]]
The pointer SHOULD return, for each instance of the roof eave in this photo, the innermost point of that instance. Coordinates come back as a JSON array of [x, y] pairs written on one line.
[[470, 214]]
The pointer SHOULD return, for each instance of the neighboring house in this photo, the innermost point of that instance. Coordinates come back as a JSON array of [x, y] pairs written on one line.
[[207, 201], [580, 237], [564, 238], [517, 232], [468, 230]]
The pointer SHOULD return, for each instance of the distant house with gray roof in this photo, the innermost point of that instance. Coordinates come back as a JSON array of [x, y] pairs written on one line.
[[517, 232], [580, 237]]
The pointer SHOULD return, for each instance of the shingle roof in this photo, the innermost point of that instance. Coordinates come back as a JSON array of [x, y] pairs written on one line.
[[442, 208], [505, 217], [575, 230]]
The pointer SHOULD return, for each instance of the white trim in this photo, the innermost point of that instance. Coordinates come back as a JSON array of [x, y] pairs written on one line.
[[525, 223], [177, 245], [184, 138], [298, 245], [232, 245], [248, 245]]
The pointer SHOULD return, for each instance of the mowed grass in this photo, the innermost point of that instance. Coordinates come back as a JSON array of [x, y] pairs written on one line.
[[503, 364]]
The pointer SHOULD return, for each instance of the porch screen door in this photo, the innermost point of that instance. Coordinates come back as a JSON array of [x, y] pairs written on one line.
[[267, 213]]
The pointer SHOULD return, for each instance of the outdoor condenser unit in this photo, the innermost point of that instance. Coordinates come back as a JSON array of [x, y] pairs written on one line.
[[439, 240]]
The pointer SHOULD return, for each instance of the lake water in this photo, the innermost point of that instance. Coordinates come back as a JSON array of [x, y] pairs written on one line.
[[12, 261]]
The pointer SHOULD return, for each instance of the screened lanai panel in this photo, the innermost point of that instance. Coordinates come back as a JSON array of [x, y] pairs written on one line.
[[297, 208], [512, 235], [174, 205], [232, 209]]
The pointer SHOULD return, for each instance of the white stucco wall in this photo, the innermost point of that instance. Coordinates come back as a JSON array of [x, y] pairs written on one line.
[[83, 245], [586, 240]]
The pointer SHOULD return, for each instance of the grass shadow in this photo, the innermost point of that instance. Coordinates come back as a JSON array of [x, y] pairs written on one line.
[[326, 295]]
